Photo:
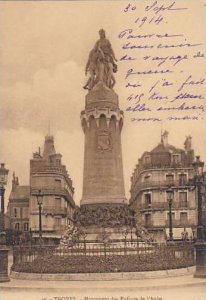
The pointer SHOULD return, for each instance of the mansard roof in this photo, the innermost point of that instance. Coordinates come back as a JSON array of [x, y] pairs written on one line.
[[20, 192], [162, 148]]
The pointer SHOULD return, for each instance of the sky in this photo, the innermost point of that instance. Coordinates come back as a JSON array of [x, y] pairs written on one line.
[[43, 53]]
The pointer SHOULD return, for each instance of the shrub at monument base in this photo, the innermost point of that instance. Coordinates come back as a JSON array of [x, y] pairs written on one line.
[[101, 264]]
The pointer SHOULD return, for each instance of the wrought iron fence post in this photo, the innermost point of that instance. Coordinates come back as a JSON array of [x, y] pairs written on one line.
[[125, 245], [85, 247]]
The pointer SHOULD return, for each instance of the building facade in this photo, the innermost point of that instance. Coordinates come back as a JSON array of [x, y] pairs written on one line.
[[17, 215], [49, 176], [158, 170]]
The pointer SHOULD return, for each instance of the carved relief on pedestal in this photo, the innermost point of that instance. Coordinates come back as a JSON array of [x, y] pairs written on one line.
[[104, 140], [107, 215]]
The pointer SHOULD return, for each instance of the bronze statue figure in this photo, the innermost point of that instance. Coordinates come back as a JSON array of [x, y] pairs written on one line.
[[101, 63]]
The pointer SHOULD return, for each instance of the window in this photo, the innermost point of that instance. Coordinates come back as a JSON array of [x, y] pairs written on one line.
[[148, 200], [57, 221], [176, 158], [148, 220], [15, 212], [58, 183], [58, 162], [58, 202], [183, 199], [173, 217], [17, 226], [182, 179], [25, 212], [147, 178], [26, 226], [147, 160], [170, 179], [183, 218]]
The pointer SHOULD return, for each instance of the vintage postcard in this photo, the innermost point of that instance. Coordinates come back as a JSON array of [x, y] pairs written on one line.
[[103, 150]]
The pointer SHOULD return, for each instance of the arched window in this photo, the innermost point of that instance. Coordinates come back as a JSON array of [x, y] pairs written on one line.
[[17, 226]]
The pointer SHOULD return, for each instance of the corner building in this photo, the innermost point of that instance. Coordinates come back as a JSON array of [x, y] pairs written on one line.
[[18, 211], [50, 176], [163, 167]]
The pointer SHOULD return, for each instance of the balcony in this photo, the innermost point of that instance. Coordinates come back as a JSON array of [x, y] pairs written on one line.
[[54, 210], [164, 205], [57, 191], [159, 185], [162, 165], [149, 224], [59, 227], [181, 223], [49, 229]]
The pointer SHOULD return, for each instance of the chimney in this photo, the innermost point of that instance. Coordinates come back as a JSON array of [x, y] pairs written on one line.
[[48, 147], [188, 143], [164, 138], [15, 182]]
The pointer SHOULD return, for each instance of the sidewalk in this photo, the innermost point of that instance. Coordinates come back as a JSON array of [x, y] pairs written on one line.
[[173, 288], [142, 284]]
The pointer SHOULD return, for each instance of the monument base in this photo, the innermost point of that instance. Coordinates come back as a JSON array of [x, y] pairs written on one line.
[[97, 235], [105, 223], [106, 215]]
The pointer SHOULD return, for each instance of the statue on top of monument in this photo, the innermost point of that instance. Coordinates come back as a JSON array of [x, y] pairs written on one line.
[[101, 63]]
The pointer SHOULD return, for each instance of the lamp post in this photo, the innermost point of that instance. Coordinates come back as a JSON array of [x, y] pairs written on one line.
[[198, 167], [3, 181], [200, 245], [170, 196], [40, 202], [3, 249]]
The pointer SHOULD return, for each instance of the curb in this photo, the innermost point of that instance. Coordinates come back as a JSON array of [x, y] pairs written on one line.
[[103, 276]]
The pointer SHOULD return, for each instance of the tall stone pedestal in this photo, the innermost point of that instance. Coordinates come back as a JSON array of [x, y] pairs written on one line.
[[200, 248], [102, 122], [103, 203]]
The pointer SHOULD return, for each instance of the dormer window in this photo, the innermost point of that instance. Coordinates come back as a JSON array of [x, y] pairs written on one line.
[[147, 159], [147, 178], [176, 158], [58, 162]]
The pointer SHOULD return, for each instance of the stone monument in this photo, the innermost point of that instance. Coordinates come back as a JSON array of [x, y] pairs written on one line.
[[103, 207], [104, 214]]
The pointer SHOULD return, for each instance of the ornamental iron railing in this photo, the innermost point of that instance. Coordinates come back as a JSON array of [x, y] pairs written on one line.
[[102, 257]]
